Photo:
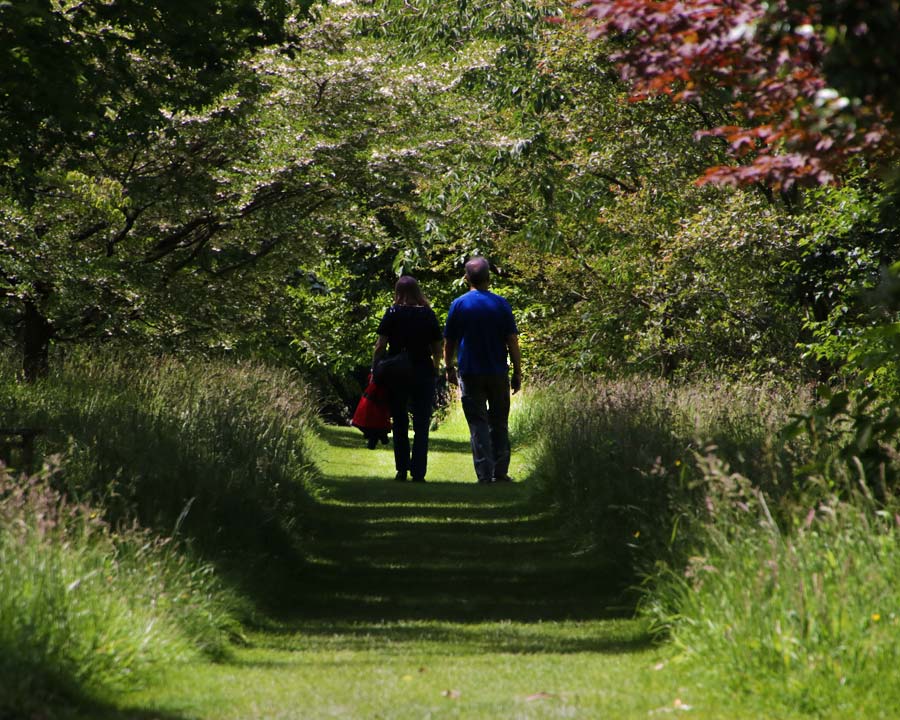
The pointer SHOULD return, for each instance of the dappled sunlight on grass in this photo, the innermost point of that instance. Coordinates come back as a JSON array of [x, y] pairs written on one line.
[[396, 638], [462, 524], [447, 599], [419, 505], [439, 551]]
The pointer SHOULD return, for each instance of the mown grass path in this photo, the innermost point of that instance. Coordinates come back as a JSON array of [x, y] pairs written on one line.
[[441, 600]]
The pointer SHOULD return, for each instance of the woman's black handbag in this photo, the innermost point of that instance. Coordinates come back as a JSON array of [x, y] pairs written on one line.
[[393, 370]]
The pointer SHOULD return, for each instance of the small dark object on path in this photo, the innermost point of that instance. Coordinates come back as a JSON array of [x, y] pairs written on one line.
[[373, 437]]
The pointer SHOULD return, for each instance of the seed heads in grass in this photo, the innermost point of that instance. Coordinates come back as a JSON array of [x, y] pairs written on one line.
[[793, 611], [85, 611], [617, 457], [145, 438]]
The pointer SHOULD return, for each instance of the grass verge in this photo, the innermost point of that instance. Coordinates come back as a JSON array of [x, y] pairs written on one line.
[[773, 585], [803, 611], [216, 450], [616, 458], [86, 612], [214, 454]]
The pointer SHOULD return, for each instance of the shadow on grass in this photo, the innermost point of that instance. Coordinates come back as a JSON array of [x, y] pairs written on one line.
[[355, 497], [339, 437], [361, 593], [88, 710], [384, 551], [456, 639], [132, 714]]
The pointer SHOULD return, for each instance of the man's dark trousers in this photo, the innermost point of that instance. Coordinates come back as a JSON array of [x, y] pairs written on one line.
[[485, 401]]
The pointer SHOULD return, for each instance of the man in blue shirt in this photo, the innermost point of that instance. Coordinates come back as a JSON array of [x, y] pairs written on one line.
[[480, 332]]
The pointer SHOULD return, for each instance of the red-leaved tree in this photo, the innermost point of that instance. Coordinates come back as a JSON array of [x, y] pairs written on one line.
[[772, 65]]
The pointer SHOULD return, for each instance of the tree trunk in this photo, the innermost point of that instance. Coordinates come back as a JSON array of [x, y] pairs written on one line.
[[36, 335], [670, 360]]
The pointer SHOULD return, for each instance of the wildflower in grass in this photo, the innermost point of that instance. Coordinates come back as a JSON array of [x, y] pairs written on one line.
[[810, 516], [876, 617]]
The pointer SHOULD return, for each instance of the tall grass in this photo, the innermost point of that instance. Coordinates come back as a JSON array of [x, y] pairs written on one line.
[[212, 453], [617, 457], [804, 614], [85, 611], [217, 450], [767, 580]]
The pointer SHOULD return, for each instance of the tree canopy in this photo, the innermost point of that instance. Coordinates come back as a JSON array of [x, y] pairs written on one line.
[[251, 178], [805, 85]]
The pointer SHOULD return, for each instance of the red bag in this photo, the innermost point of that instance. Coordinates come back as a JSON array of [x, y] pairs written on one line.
[[374, 411]]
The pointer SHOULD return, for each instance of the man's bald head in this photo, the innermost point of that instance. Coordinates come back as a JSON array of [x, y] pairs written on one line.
[[478, 273]]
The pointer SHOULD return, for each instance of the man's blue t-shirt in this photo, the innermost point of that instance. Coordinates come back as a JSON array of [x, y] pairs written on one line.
[[480, 322]]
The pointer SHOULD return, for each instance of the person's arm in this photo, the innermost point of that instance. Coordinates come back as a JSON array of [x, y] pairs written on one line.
[[436, 340], [436, 355], [380, 348], [450, 360], [385, 329], [515, 354]]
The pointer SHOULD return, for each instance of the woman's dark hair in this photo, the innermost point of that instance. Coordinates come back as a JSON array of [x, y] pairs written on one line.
[[408, 292]]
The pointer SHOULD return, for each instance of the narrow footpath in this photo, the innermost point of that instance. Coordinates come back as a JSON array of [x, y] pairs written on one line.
[[439, 600]]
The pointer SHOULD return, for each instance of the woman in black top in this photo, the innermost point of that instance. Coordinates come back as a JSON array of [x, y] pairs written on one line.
[[410, 324]]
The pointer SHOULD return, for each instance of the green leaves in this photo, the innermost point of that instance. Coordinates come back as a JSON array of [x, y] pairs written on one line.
[[181, 205], [852, 434]]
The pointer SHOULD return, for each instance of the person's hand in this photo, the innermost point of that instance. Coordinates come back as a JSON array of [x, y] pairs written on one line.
[[516, 382], [451, 375]]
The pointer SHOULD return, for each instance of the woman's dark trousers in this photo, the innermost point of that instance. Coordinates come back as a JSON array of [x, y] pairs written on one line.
[[416, 397]]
